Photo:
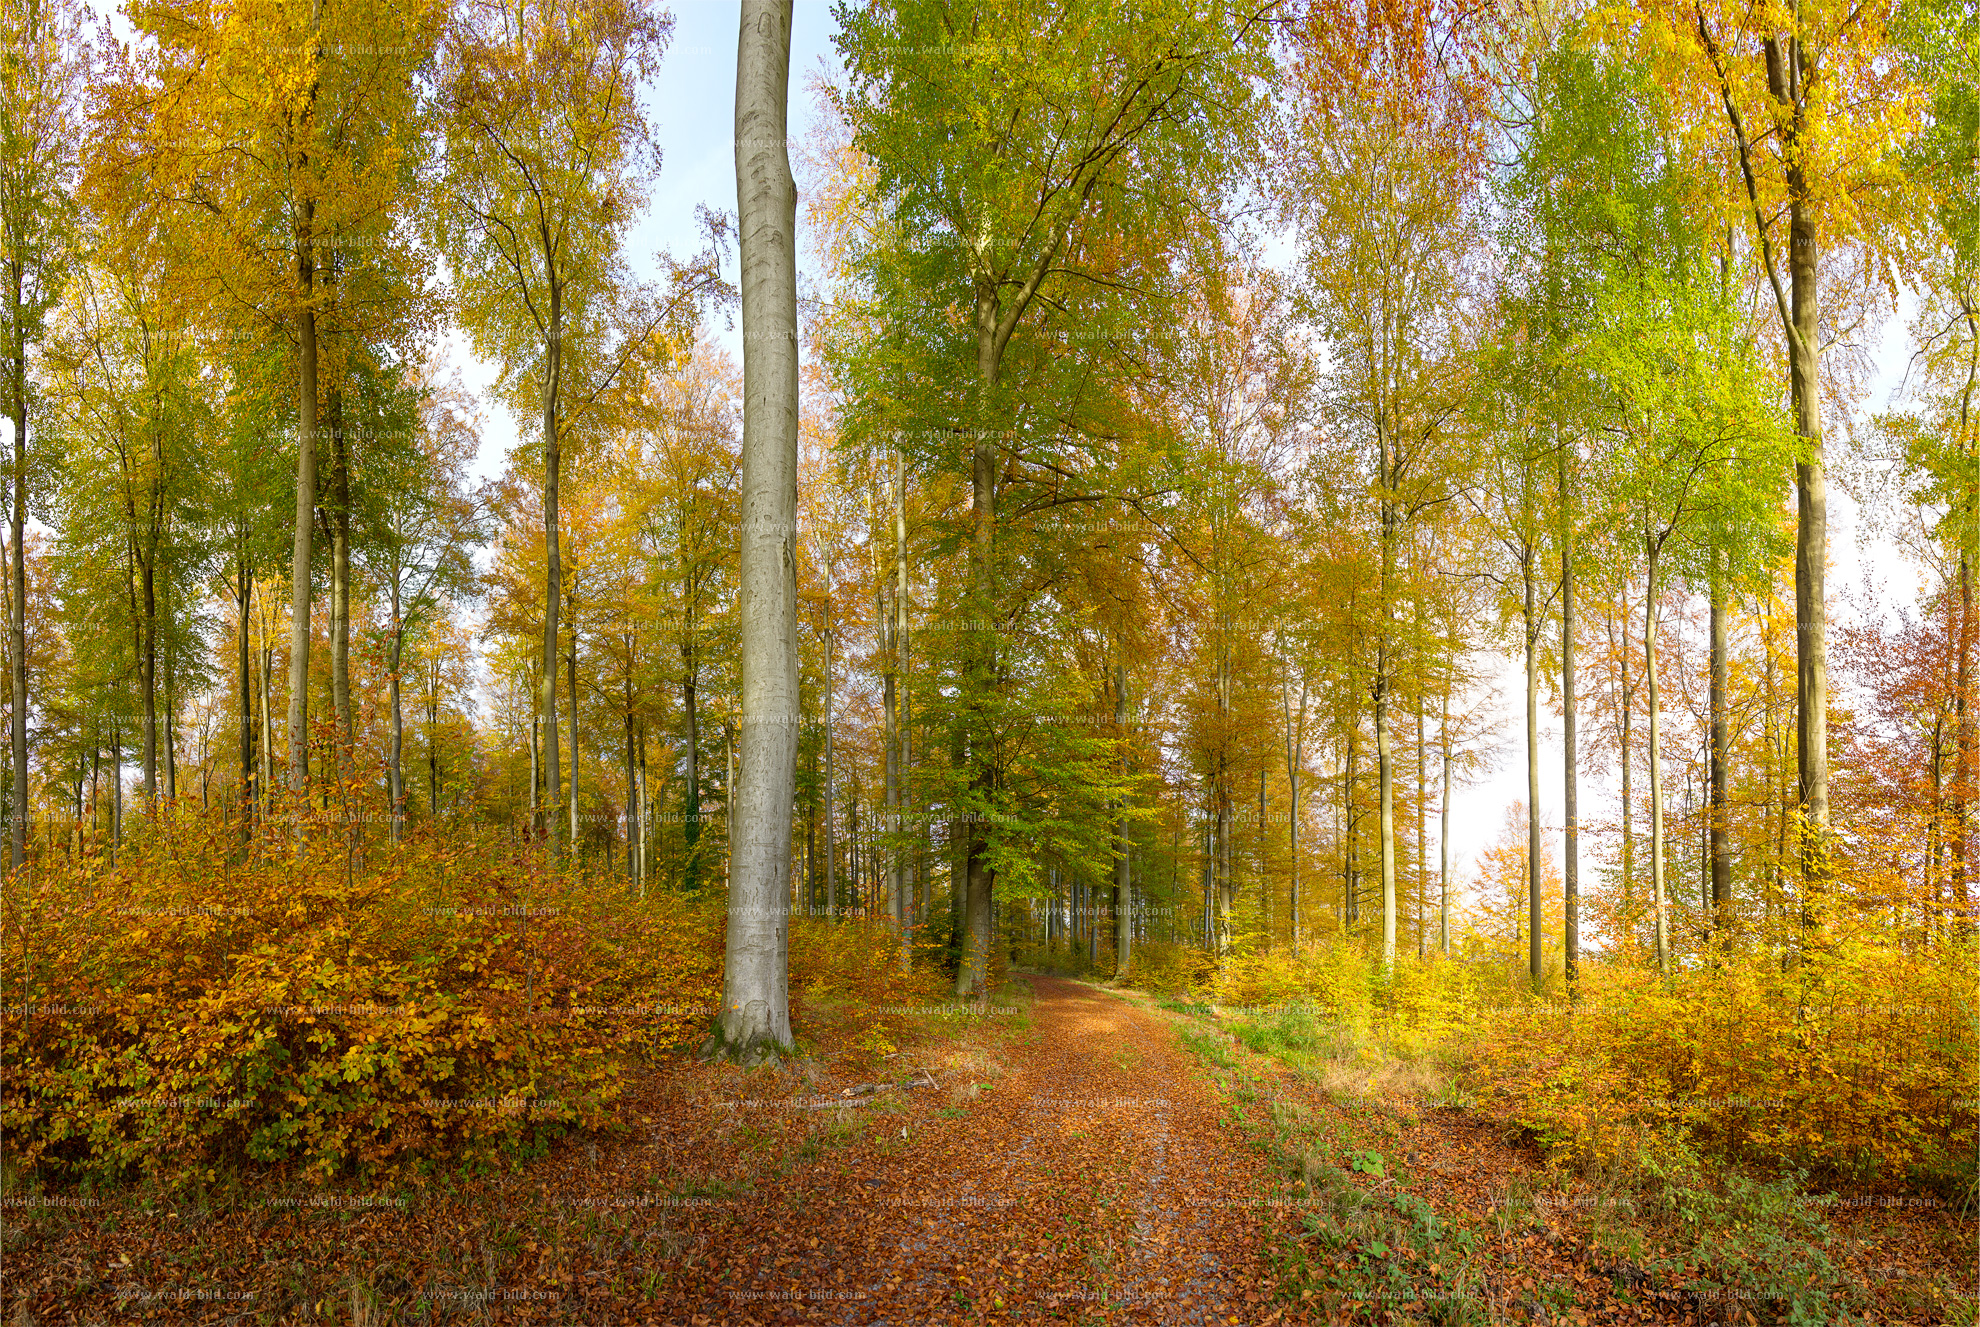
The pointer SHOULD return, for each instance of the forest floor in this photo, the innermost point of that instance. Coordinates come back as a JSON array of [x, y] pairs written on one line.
[[1061, 1154]]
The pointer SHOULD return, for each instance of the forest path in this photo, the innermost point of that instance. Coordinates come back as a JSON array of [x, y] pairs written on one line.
[[1092, 1181]]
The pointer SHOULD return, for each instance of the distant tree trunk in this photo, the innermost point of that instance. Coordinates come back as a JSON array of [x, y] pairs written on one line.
[[1123, 917], [299, 578], [395, 772], [1626, 701], [433, 740], [116, 791], [1656, 761], [1570, 751], [831, 874], [1351, 881], [570, 661], [340, 583], [691, 794], [244, 593], [148, 673], [267, 726], [1444, 828], [1718, 845], [756, 1022], [17, 584], [553, 576], [632, 781], [1530, 624]]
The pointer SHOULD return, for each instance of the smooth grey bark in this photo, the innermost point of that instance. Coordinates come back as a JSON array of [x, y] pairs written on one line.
[[831, 852], [299, 579], [755, 1023], [1534, 860], [1444, 828], [1656, 760], [571, 676], [902, 717], [553, 576], [245, 595], [1790, 79], [1295, 753], [1570, 776], [1123, 915], [1718, 847]]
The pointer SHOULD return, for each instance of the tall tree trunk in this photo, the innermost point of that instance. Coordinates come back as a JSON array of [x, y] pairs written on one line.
[[1570, 751], [902, 718], [244, 593], [980, 880], [148, 674], [890, 791], [1350, 864], [831, 869], [17, 587], [691, 794], [1719, 846], [395, 771], [756, 1021], [1529, 611], [340, 582], [299, 577], [1444, 828], [267, 725], [1811, 535], [1386, 821], [1627, 703], [553, 574], [1123, 915], [1656, 761], [116, 792], [570, 662]]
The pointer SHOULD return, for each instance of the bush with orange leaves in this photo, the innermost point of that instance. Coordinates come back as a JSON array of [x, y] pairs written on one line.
[[1857, 1062], [382, 1012]]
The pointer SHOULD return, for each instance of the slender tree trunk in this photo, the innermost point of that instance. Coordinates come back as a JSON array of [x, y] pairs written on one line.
[[17, 588], [1627, 703], [902, 719], [267, 726], [1444, 828], [1123, 916], [340, 582], [553, 575], [299, 577], [979, 879], [1351, 875], [1718, 844], [148, 588], [1385, 778], [1963, 744], [1811, 537], [1656, 762], [1570, 751], [1534, 858], [244, 593], [831, 871], [116, 792], [395, 771], [756, 1022], [570, 663]]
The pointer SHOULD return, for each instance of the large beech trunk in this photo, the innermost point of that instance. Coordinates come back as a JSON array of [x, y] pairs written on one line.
[[755, 1023]]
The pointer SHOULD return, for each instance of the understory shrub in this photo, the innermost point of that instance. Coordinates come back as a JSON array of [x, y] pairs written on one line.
[[1858, 1063], [385, 1012]]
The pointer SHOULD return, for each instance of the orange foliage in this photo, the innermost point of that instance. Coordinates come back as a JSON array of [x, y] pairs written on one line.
[[195, 1009]]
